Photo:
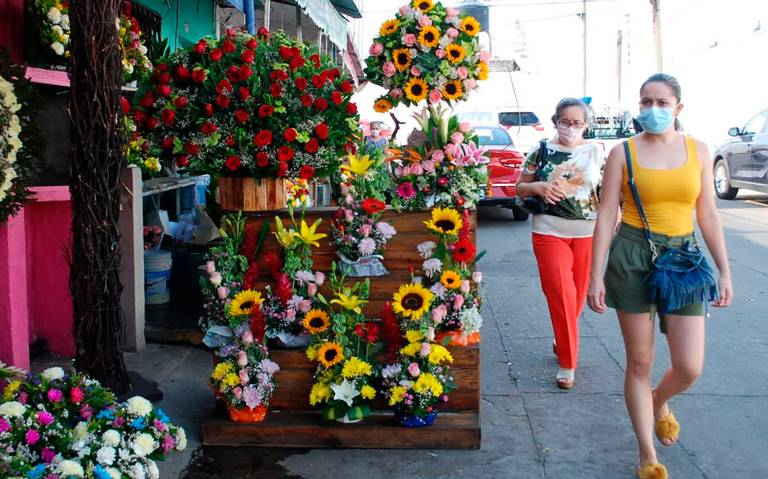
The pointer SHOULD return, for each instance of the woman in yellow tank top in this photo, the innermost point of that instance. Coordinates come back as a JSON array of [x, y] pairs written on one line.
[[673, 175]]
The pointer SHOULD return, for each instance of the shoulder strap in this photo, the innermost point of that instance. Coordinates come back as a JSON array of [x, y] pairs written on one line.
[[636, 195], [540, 159]]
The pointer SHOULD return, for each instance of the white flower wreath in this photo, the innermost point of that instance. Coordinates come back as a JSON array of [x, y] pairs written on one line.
[[10, 127]]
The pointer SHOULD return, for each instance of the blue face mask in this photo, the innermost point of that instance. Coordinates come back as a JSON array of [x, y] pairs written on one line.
[[655, 119]]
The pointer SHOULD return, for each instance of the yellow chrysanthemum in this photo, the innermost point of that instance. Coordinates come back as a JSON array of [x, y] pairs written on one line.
[[416, 89], [320, 393], [423, 5], [438, 354], [455, 53], [359, 164], [389, 27], [429, 36], [354, 367], [367, 392], [450, 279], [401, 57], [428, 383], [382, 105], [230, 381], [470, 26], [316, 321], [445, 221], [453, 90], [221, 370], [412, 301], [330, 354], [411, 349], [482, 70], [311, 353], [396, 395], [414, 336], [11, 389], [244, 302]]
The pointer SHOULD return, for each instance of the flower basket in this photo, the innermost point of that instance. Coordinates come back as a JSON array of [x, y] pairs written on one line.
[[246, 414], [352, 415], [457, 338], [362, 267], [409, 420], [250, 194]]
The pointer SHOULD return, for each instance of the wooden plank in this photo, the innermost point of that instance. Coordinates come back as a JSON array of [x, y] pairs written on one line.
[[379, 431], [463, 358], [250, 199]]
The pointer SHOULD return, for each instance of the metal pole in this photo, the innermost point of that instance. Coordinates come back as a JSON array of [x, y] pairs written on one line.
[[619, 63], [267, 15], [656, 5], [299, 27], [584, 22]]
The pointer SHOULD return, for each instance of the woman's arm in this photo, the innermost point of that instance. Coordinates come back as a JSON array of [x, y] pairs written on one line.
[[610, 197], [551, 192], [711, 228]]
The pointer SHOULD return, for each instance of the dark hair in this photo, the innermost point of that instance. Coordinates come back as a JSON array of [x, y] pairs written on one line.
[[567, 103], [673, 85]]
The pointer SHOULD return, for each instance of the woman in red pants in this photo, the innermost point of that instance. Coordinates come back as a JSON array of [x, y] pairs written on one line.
[[564, 174]]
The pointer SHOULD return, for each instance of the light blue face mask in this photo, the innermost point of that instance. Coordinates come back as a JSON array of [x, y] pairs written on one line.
[[656, 120]]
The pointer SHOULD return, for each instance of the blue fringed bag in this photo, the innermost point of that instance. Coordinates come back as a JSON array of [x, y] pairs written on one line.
[[680, 276]]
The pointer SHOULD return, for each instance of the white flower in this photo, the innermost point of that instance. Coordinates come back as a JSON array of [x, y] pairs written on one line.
[[12, 409], [57, 30], [471, 320], [142, 49], [123, 453], [64, 39], [366, 246], [386, 230], [52, 374], [391, 371], [345, 392], [70, 468], [154, 473], [138, 406], [181, 439], [111, 438], [432, 266], [114, 473], [65, 21], [106, 455], [58, 48], [54, 15], [81, 430], [426, 249], [144, 444], [138, 471]]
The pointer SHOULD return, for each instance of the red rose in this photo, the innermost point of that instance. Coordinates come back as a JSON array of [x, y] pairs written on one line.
[[373, 206], [139, 116], [233, 163], [336, 98], [222, 85], [278, 76], [285, 53], [351, 108], [346, 87], [301, 83], [164, 78], [332, 74], [215, 54], [244, 93], [161, 67], [125, 105], [222, 101], [182, 161], [460, 201], [208, 109], [442, 181], [262, 159], [321, 130], [182, 74], [230, 141], [266, 110], [245, 72], [282, 169], [321, 104], [148, 100], [276, 90], [296, 63], [295, 52], [306, 100], [247, 56], [167, 117], [233, 74], [359, 331], [289, 134], [306, 172], [241, 115], [192, 148], [350, 148], [198, 75], [311, 146], [373, 333], [262, 138], [252, 44], [180, 102], [228, 46], [285, 153], [152, 123], [163, 90], [167, 143], [231, 32], [318, 81], [315, 58], [263, 32], [200, 47], [208, 128]]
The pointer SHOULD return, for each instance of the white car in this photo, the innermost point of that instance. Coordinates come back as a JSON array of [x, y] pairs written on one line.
[[522, 124]]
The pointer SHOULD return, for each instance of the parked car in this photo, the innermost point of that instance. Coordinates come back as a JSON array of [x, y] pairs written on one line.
[[503, 169], [522, 124], [742, 161]]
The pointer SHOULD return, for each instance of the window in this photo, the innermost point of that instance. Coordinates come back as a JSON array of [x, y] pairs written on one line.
[[755, 125], [521, 118], [493, 136]]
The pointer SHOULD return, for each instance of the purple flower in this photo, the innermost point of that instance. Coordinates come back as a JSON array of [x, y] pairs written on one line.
[[119, 421], [367, 246], [168, 443], [54, 395], [252, 397], [4, 426], [32, 437], [44, 418], [47, 455], [86, 411], [51, 476], [406, 190], [159, 425]]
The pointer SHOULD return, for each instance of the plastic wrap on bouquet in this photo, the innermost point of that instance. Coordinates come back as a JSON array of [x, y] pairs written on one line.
[[289, 340], [365, 266], [217, 336], [409, 420]]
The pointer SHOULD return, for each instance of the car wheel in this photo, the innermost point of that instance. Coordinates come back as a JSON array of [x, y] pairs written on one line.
[[519, 214], [723, 187]]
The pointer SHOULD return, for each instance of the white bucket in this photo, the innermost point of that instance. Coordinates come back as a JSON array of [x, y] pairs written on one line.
[[157, 270]]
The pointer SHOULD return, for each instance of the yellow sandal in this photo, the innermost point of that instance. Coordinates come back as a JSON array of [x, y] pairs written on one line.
[[653, 471], [667, 428]]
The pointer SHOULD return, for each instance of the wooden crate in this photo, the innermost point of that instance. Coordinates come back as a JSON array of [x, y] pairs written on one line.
[[250, 194]]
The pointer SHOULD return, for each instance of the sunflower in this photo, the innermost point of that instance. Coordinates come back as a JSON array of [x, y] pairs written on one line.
[[470, 26], [316, 321], [244, 302], [416, 89], [429, 36], [445, 221], [482, 70], [412, 300], [389, 27], [423, 5], [330, 354], [450, 279], [382, 105], [453, 90], [455, 53], [401, 58]]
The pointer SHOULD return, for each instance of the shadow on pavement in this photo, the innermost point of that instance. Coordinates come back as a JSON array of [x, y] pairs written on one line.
[[239, 463]]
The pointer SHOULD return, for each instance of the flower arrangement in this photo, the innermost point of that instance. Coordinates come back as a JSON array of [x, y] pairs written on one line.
[[54, 24], [426, 52], [59, 424], [10, 144], [344, 345], [263, 106], [136, 63], [440, 166]]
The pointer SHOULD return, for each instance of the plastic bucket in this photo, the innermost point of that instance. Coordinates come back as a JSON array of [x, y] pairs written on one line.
[[157, 270]]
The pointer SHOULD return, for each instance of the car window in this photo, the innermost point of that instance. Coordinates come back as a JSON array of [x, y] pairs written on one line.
[[514, 118], [492, 136], [755, 125]]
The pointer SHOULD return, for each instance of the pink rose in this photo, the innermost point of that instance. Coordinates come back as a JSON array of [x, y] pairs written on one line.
[[452, 12], [458, 302], [464, 288], [413, 369], [290, 315], [462, 72], [247, 337], [431, 334], [388, 69], [425, 21], [429, 166], [425, 349], [440, 53], [439, 313], [452, 33], [407, 170], [238, 392], [44, 418], [311, 289], [222, 292], [366, 230], [465, 126], [216, 279], [398, 171], [396, 93], [438, 156], [457, 137], [319, 278], [242, 359], [349, 215], [469, 84], [349, 199], [403, 10], [210, 267], [435, 96], [409, 39], [417, 169], [450, 149], [415, 71], [485, 56], [305, 305], [344, 188], [477, 277], [376, 49], [244, 379]]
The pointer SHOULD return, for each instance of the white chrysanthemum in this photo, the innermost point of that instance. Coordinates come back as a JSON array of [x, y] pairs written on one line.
[[12, 409], [65, 21], [114, 473], [57, 30], [138, 471], [111, 438], [142, 49], [69, 468], [54, 15], [386, 230], [426, 249], [471, 320], [106, 455], [181, 439], [58, 48], [154, 472], [64, 39], [138, 406], [52, 374], [143, 445], [81, 430]]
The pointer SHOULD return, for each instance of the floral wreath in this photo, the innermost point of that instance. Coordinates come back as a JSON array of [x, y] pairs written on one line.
[[426, 52], [10, 144]]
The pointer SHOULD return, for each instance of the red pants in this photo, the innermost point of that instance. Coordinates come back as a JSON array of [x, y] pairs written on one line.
[[564, 265]]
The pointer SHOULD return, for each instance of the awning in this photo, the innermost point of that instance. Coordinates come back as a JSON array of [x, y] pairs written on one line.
[[347, 7], [246, 6], [327, 19]]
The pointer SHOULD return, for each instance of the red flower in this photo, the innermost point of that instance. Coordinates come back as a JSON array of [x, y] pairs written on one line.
[[163, 90], [460, 201], [306, 172], [167, 143], [266, 110], [228, 46], [233, 163], [125, 105], [244, 93], [258, 325], [247, 56], [167, 117], [464, 251], [289, 134], [222, 101], [284, 291], [274, 263], [359, 331], [180, 102], [373, 206], [351, 108], [318, 80], [160, 68], [373, 332], [278, 76], [282, 169], [139, 116], [208, 109], [306, 100], [262, 159], [230, 32], [336, 98], [285, 53], [198, 75], [182, 161], [301, 83], [164, 78], [148, 100], [296, 62], [200, 47], [350, 147], [241, 115], [245, 72], [248, 249], [332, 73], [285, 153], [152, 123], [230, 141], [263, 32], [222, 85], [322, 131], [192, 148], [233, 73], [182, 74], [315, 58], [252, 44], [321, 104], [215, 54], [276, 90], [311, 146], [262, 138], [346, 87]]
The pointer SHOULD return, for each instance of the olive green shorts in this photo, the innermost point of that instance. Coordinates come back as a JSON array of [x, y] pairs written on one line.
[[629, 263]]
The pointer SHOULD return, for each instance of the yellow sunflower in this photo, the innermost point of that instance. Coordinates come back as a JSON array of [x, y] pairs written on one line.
[[445, 221], [470, 26], [389, 27], [423, 5], [453, 90], [482, 70], [429, 36], [455, 53], [316, 321], [416, 89], [401, 57], [244, 302], [330, 354], [450, 279], [382, 105], [412, 301]]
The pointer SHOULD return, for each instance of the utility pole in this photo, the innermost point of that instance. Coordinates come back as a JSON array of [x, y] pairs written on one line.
[[619, 64], [655, 5], [584, 39]]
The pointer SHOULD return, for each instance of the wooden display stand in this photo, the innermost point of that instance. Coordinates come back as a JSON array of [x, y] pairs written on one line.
[[291, 422]]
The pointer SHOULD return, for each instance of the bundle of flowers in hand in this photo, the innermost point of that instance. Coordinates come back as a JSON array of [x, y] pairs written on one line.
[[61, 424], [345, 346], [136, 63], [54, 24], [357, 231], [450, 275], [260, 106], [441, 165], [426, 52]]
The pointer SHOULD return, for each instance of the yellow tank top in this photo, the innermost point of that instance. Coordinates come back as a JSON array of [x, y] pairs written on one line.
[[668, 196]]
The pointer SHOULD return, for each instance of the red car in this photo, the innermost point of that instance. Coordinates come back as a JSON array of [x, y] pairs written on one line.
[[504, 168]]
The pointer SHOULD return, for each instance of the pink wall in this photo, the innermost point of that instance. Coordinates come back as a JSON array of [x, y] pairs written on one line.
[[14, 340]]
